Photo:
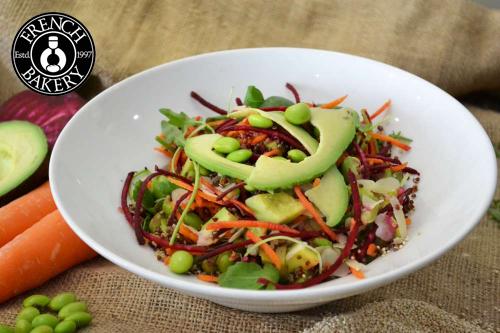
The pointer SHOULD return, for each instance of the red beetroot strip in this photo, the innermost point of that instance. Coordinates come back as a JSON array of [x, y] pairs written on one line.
[[272, 133], [238, 101], [164, 244], [207, 104], [294, 92], [171, 218], [362, 157], [345, 251], [227, 123], [125, 189], [370, 238], [229, 190]]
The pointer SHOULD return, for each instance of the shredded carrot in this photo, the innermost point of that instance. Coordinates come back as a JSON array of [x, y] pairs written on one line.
[[266, 248], [372, 250], [216, 123], [250, 224], [242, 206], [374, 161], [386, 138], [166, 260], [357, 274], [408, 221], [398, 167], [165, 152], [334, 103], [188, 187], [149, 185], [372, 146], [381, 109], [244, 122], [341, 159], [310, 208], [169, 252], [207, 278], [258, 139], [189, 130], [317, 182], [187, 233], [273, 152]]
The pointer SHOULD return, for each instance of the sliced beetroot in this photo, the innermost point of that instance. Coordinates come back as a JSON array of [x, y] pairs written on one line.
[[51, 113]]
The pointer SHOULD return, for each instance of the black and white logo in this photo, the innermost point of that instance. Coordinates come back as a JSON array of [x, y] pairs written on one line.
[[53, 53]]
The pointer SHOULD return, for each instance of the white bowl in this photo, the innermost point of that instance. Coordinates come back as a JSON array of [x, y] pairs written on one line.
[[114, 134]]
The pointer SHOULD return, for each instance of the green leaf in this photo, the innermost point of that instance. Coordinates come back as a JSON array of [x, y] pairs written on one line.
[[400, 137], [253, 97], [172, 134], [244, 275], [274, 101], [179, 120], [174, 128]]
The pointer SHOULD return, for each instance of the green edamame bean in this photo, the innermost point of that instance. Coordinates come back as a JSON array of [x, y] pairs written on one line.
[[28, 313], [298, 114], [226, 145], [45, 319], [180, 262], [36, 301], [22, 326], [223, 261], [65, 326], [280, 158], [161, 187], [60, 300], [256, 120], [70, 308], [81, 318], [240, 155], [296, 155], [6, 329], [320, 241], [253, 97], [193, 220], [42, 329]]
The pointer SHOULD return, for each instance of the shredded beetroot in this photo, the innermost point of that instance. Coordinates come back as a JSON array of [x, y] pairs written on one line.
[[386, 150], [125, 190], [207, 104], [229, 190], [238, 101], [227, 123], [171, 174], [164, 244], [370, 238], [274, 108], [272, 133], [379, 167], [345, 251], [294, 92], [171, 218], [366, 168], [411, 171]]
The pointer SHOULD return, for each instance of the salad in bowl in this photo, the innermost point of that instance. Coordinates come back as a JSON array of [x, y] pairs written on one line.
[[275, 193]]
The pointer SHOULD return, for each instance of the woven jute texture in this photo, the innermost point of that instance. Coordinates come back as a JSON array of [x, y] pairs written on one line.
[[454, 44]]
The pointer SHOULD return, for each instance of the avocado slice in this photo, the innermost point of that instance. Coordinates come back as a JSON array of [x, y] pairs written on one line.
[[275, 207], [309, 143], [199, 149], [331, 196], [23, 150], [336, 129], [300, 256]]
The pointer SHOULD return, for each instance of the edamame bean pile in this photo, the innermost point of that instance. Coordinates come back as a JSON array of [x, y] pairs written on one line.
[[64, 313], [273, 193]]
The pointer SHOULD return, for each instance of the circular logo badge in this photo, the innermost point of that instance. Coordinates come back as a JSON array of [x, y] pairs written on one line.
[[53, 53]]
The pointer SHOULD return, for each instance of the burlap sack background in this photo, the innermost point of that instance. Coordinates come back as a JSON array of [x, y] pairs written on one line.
[[455, 44]]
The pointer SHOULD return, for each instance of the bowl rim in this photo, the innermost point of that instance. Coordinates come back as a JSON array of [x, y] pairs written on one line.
[[307, 295]]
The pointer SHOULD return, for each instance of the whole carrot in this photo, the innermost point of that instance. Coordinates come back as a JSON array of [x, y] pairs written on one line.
[[46, 249], [25, 211]]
